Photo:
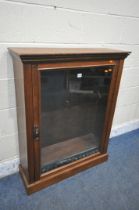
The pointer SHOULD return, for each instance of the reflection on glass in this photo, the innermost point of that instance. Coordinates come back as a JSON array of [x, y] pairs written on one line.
[[73, 105]]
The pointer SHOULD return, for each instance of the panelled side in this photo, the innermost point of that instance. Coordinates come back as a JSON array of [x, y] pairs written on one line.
[[28, 90], [21, 117]]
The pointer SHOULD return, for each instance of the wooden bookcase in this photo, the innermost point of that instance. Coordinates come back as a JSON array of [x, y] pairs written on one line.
[[65, 105]]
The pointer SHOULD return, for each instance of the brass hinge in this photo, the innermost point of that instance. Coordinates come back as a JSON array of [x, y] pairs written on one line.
[[36, 133]]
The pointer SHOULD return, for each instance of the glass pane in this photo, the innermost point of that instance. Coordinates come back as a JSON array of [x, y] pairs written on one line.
[[73, 105]]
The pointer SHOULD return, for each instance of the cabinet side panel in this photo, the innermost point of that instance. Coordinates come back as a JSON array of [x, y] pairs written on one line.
[[29, 118], [21, 119]]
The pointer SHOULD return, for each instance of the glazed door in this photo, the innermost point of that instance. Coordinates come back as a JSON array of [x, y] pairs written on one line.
[[72, 113]]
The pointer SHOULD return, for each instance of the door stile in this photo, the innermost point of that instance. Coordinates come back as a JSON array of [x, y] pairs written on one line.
[[36, 120], [114, 88]]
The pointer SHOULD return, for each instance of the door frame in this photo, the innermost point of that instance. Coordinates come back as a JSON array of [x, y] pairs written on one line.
[[36, 102]]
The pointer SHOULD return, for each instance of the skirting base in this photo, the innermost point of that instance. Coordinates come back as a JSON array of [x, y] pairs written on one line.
[[57, 175], [9, 167]]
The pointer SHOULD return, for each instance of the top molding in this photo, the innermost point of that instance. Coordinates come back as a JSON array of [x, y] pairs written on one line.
[[48, 55]]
